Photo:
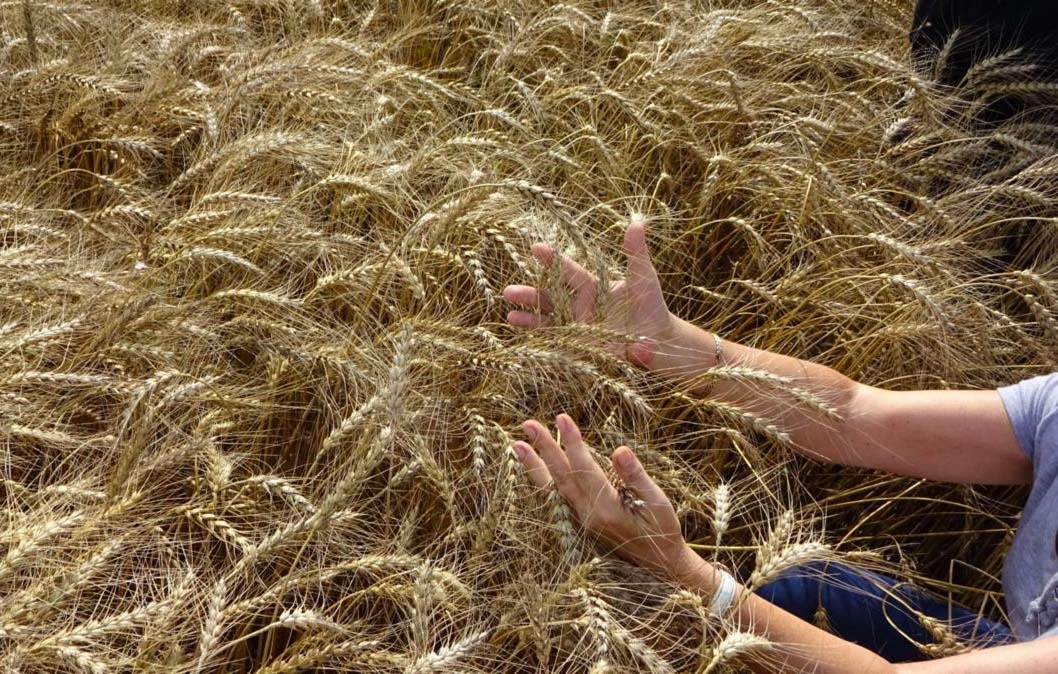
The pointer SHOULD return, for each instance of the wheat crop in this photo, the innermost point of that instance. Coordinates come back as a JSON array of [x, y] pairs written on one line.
[[257, 394]]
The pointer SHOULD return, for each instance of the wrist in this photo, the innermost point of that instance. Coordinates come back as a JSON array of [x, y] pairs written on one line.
[[691, 571], [678, 352], [716, 587]]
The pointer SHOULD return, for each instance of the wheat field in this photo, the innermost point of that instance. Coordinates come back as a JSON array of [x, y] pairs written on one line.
[[257, 393]]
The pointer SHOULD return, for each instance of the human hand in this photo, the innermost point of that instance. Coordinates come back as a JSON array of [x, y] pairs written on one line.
[[641, 524], [638, 304]]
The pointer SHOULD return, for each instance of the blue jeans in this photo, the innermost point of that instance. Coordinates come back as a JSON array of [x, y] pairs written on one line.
[[870, 609]]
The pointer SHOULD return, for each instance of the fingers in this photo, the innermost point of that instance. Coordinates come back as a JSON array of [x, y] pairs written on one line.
[[640, 266], [533, 464], [547, 448], [580, 281], [584, 303], [570, 465], [575, 276], [528, 296], [525, 319], [631, 472], [580, 459]]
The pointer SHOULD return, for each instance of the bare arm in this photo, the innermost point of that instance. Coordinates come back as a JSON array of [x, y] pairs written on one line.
[[653, 539], [801, 647], [1039, 657], [955, 436], [948, 435], [798, 645]]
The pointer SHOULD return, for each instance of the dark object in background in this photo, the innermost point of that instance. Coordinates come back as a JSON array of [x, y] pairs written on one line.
[[986, 28]]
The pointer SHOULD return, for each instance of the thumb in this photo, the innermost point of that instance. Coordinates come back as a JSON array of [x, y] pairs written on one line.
[[640, 267], [631, 472]]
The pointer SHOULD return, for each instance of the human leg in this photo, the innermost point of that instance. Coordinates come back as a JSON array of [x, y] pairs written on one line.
[[874, 610]]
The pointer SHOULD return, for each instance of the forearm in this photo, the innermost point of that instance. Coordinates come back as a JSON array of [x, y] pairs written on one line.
[[796, 646], [690, 354], [919, 433]]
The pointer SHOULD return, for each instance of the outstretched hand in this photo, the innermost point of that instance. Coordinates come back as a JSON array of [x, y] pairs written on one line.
[[638, 304], [641, 524]]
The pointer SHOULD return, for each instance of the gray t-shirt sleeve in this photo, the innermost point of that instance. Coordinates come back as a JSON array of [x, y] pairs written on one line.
[[1030, 573], [1029, 403]]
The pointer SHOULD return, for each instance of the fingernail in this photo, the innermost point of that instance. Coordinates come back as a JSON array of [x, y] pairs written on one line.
[[529, 430], [625, 459], [520, 450]]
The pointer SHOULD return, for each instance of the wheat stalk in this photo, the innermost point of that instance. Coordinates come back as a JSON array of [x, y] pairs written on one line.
[[736, 646], [254, 376]]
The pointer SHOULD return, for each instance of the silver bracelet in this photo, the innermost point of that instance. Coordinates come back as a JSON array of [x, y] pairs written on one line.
[[726, 592]]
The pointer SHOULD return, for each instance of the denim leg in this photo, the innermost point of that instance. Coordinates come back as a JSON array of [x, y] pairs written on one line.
[[966, 624], [859, 610]]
